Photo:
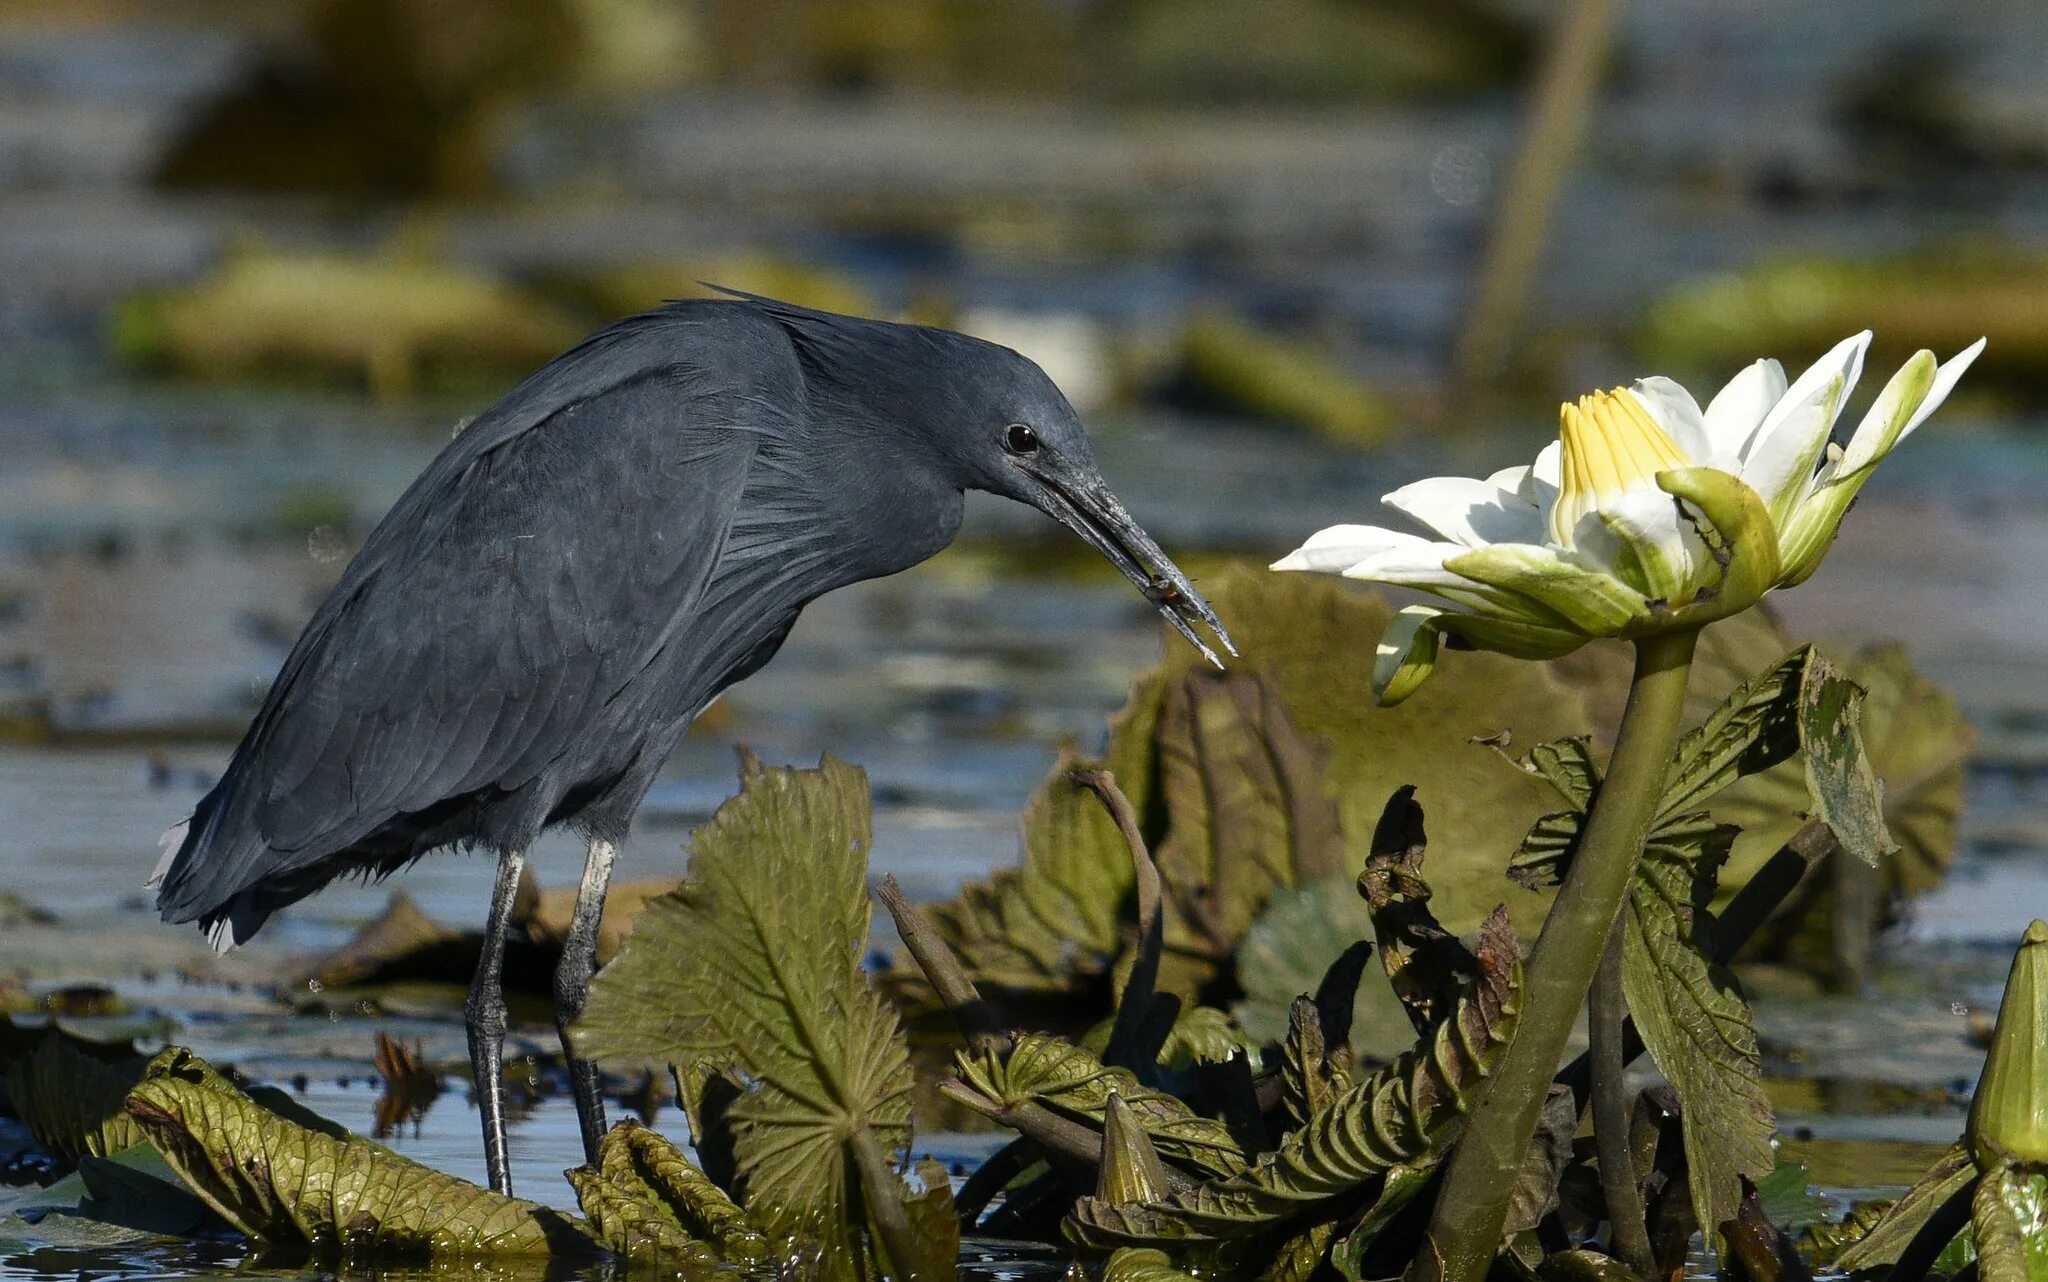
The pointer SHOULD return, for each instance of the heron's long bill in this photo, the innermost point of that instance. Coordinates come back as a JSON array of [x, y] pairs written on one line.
[[1095, 515]]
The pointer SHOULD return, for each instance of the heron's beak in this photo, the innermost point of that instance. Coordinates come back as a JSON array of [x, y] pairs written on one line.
[[1092, 512]]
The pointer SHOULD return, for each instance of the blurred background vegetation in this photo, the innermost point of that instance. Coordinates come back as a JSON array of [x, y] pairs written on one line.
[[260, 255]]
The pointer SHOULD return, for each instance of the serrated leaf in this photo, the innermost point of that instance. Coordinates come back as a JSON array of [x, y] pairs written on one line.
[[648, 1202], [1692, 1016], [1301, 1256], [1901, 1221], [1405, 1115], [1801, 706], [1069, 1080], [1202, 1035], [755, 961], [1308, 1081], [298, 1194]]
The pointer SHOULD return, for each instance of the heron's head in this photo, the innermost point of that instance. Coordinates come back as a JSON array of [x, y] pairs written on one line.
[[977, 416], [1016, 435]]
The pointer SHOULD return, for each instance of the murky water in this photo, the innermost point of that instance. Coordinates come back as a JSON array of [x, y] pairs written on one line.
[[160, 546]]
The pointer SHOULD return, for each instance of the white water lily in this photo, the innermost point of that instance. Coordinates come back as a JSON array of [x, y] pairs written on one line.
[[1647, 515]]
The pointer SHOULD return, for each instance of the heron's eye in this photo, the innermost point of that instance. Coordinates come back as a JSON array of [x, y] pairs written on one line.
[[1019, 439]]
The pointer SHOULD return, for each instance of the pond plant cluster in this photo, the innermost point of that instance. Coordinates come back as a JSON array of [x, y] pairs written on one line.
[[1245, 1008]]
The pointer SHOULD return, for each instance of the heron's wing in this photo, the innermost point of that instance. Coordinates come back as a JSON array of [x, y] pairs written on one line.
[[505, 607]]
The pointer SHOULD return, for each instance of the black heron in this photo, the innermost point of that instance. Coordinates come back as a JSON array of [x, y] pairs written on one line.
[[526, 634]]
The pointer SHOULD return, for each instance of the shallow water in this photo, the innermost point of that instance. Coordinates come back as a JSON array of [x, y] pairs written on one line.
[[159, 546]]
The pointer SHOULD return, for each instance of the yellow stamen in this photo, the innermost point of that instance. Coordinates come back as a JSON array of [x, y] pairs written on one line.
[[1611, 446]]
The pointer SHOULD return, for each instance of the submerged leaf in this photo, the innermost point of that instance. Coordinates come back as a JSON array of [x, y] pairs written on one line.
[[299, 1194], [755, 961], [1405, 1115]]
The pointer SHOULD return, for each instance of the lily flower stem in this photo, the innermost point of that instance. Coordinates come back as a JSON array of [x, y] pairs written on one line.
[[1479, 1178], [1628, 1235]]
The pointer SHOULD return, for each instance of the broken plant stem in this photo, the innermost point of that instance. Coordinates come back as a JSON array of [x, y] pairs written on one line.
[[1134, 1008], [883, 1192], [1479, 1178], [1606, 1008], [975, 1017]]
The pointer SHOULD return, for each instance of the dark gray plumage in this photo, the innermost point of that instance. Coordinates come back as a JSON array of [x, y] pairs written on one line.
[[525, 636]]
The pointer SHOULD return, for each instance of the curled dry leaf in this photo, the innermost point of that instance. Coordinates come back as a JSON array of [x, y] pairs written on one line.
[[1405, 1115], [299, 1194], [650, 1204]]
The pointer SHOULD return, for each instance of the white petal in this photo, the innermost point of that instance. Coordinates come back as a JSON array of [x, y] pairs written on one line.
[[1672, 561], [1674, 410], [1470, 512], [1944, 382], [1416, 565], [1340, 547], [1549, 468], [1421, 565], [1738, 409], [1780, 462]]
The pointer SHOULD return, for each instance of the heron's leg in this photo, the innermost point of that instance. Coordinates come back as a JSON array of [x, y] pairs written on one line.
[[572, 988], [486, 1019]]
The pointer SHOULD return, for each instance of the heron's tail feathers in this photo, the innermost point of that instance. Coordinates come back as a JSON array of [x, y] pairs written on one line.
[[172, 843], [227, 921]]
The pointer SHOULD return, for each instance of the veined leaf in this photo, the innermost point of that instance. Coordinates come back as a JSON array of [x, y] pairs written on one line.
[[1142, 1264], [1248, 812], [1308, 1081], [1405, 1115], [1202, 1035], [1301, 1256], [1057, 919], [1068, 1080], [1918, 743], [1692, 1015], [647, 1202], [1801, 706], [299, 1194], [1044, 926], [755, 961]]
